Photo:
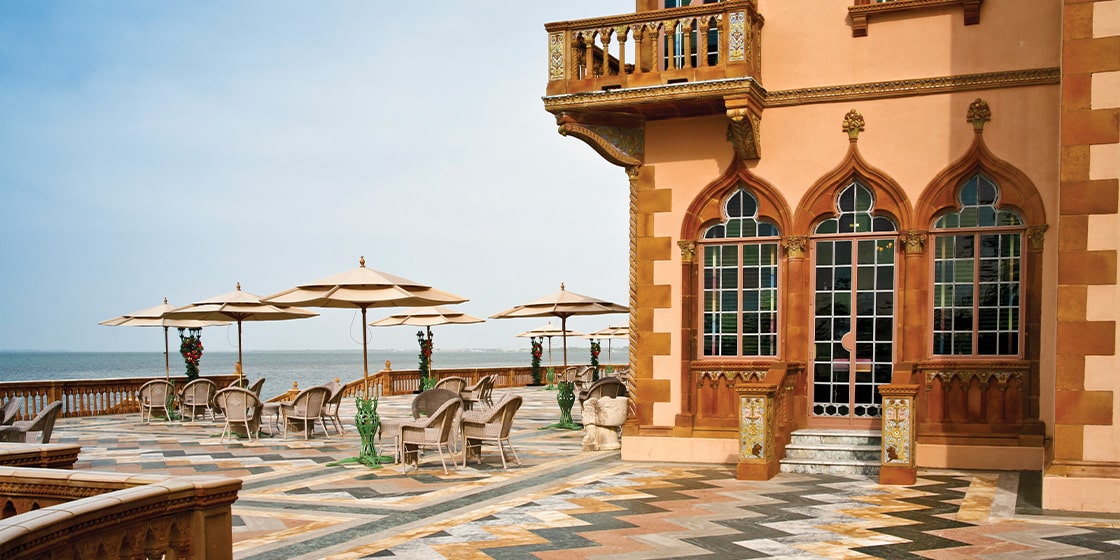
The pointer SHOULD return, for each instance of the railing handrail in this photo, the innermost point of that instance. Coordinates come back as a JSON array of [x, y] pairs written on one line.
[[182, 517], [87, 397]]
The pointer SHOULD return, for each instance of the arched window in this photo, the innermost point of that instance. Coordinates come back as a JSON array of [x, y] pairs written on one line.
[[977, 275], [740, 288]]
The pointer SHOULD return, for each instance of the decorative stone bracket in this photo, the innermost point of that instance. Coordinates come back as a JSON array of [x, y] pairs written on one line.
[[620, 141]]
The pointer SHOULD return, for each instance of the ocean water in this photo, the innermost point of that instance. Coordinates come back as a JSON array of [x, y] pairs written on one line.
[[281, 368]]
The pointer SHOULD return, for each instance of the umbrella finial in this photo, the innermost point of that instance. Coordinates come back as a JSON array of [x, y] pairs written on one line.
[[561, 286], [239, 286], [362, 261], [165, 300]]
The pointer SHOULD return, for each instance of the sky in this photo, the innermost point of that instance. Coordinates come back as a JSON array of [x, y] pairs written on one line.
[[174, 149]]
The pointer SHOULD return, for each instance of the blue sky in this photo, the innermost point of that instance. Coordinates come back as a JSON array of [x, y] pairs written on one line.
[[173, 149]]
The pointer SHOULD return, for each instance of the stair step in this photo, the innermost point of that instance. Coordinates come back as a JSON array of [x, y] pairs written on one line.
[[837, 452], [814, 466], [836, 437], [834, 452]]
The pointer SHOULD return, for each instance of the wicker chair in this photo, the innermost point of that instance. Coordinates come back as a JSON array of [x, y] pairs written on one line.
[[433, 431], [305, 410], [423, 404], [453, 384], [605, 387], [24, 431], [479, 392], [10, 411], [153, 397], [257, 386], [330, 408], [492, 426], [241, 408], [198, 394]]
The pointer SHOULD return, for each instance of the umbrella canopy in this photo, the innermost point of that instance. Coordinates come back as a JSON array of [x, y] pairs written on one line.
[[363, 288], [617, 331], [548, 331], [154, 317], [562, 304], [427, 317], [238, 306]]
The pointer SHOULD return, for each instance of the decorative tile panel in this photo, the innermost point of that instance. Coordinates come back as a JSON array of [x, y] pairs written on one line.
[[736, 37], [897, 423], [753, 418], [555, 56]]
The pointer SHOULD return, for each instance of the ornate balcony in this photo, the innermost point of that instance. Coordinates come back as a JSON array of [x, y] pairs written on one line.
[[620, 70]]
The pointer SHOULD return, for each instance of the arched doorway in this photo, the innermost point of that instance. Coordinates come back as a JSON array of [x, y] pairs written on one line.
[[853, 311]]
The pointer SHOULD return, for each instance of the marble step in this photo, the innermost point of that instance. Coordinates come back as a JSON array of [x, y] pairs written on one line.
[[839, 452], [815, 466], [834, 452]]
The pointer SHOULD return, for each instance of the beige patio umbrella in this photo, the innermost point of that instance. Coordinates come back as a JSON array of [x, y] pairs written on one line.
[[427, 317], [618, 331], [238, 306], [548, 331], [363, 288], [154, 317], [562, 304]]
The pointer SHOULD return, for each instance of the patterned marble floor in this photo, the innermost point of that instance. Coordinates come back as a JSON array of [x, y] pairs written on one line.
[[563, 503]]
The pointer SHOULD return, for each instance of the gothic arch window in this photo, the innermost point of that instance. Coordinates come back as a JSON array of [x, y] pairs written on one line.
[[977, 276], [740, 282], [854, 215]]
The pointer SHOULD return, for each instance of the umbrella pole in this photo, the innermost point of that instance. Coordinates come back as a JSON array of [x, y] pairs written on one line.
[[240, 374], [166, 356], [365, 353]]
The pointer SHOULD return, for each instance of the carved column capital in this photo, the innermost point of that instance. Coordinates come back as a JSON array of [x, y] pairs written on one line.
[[1037, 237], [688, 250], [914, 241], [795, 245]]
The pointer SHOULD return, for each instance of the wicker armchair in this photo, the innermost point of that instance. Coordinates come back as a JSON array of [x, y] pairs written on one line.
[[305, 410], [24, 431], [492, 426], [197, 394], [330, 408], [241, 409], [453, 384], [153, 397], [479, 392], [433, 431], [10, 411], [605, 387], [423, 404], [257, 386]]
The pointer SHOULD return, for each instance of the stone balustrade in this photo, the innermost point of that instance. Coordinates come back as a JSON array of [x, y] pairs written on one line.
[[695, 43], [60, 514], [85, 397]]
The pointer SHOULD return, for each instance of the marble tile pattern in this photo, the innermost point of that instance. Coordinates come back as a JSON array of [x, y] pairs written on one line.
[[564, 503]]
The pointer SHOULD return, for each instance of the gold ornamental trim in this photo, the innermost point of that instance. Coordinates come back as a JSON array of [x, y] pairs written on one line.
[[786, 98], [914, 86]]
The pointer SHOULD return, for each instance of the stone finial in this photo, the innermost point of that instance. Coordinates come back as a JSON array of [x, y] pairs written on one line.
[[688, 250], [853, 124], [978, 114]]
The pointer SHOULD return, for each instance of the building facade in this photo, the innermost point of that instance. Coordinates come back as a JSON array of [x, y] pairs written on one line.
[[895, 216]]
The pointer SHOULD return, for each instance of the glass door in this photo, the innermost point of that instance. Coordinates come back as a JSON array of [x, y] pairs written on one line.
[[853, 312]]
